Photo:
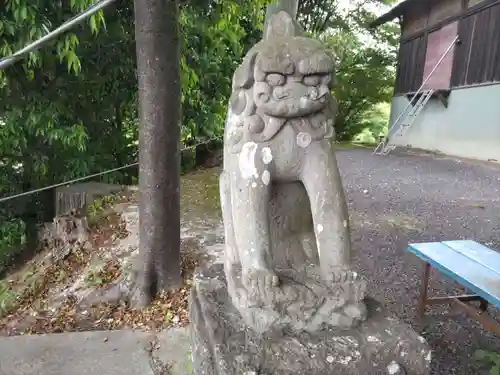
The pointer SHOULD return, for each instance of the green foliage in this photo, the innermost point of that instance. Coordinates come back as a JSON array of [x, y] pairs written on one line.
[[374, 123], [94, 210], [211, 50], [365, 58], [70, 108], [7, 298], [490, 360], [364, 79]]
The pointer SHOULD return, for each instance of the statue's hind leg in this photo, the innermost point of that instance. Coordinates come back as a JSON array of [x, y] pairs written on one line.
[[231, 258]]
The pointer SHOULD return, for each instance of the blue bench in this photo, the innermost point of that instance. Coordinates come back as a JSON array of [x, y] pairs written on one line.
[[474, 266]]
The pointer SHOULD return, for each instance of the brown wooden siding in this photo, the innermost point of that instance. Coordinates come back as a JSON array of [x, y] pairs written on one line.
[[441, 13], [414, 21], [410, 65], [471, 3], [437, 43], [443, 9], [477, 58]]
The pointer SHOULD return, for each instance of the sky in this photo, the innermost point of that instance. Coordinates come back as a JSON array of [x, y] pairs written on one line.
[[378, 10]]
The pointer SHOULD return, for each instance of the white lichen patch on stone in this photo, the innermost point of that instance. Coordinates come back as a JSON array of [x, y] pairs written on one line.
[[346, 343], [345, 223], [267, 155], [372, 339], [304, 139], [421, 339], [319, 227], [266, 177], [428, 357], [393, 368], [345, 360], [234, 120], [388, 332], [246, 161]]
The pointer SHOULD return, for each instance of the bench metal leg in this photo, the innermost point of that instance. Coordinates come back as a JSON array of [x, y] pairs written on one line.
[[484, 319], [460, 301], [424, 284], [483, 305]]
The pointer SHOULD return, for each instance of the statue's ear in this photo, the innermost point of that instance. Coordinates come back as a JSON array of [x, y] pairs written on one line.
[[243, 75]]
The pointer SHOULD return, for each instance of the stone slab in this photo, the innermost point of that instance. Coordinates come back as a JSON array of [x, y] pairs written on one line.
[[174, 348], [223, 345], [98, 352]]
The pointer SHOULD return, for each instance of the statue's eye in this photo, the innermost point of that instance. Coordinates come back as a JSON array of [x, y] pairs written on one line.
[[276, 79], [312, 80]]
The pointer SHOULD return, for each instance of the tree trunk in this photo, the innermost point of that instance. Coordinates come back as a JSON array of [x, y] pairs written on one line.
[[157, 47]]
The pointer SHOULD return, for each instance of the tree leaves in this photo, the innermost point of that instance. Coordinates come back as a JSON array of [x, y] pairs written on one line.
[[365, 59], [70, 108]]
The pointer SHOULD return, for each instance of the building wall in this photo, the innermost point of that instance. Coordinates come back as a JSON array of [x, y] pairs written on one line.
[[469, 127], [475, 60]]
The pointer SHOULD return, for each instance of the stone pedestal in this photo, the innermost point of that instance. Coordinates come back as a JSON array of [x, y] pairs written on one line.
[[223, 344]]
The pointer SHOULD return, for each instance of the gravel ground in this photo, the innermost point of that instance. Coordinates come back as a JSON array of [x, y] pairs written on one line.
[[404, 198]]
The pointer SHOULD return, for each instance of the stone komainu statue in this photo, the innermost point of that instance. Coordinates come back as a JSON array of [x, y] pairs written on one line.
[[284, 209], [286, 300]]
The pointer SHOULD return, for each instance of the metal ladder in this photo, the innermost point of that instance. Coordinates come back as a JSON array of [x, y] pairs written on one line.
[[406, 118]]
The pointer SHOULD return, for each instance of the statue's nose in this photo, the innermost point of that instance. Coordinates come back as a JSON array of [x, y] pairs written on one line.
[[323, 90], [316, 93]]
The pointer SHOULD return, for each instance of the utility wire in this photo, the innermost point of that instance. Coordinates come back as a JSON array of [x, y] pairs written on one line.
[[34, 191], [9, 60]]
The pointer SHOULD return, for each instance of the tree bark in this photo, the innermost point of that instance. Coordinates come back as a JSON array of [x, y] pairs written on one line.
[[157, 48]]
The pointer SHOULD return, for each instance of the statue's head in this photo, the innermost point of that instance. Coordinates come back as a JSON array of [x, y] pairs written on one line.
[[286, 75]]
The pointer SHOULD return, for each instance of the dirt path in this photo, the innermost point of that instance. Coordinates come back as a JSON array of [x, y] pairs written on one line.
[[409, 198]]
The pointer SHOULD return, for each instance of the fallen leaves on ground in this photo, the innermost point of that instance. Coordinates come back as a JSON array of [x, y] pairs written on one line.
[[168, 309], [33, 314]]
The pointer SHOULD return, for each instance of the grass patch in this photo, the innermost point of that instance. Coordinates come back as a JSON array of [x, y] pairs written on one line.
[[7, 298], [103, 275], [487, 360], [200, 190]]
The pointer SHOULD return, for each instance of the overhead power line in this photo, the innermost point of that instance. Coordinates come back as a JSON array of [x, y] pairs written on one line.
[[34, 191], [9, 60]]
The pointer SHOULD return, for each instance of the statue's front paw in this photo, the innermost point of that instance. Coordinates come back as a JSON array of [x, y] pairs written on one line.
[[341, 275], [356, 311], [262, 285]]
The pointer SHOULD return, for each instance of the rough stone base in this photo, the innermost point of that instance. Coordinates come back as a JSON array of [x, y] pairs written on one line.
[[223, 345]]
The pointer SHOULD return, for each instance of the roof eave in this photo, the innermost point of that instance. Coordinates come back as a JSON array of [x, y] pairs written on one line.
[[395, 12]]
